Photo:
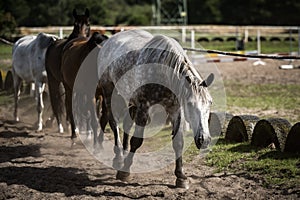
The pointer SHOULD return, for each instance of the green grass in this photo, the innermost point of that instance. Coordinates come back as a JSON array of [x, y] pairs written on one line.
[[266, 46], [5, 98], [273, 167], [270, 167], [5, 56], [264, 97], [5, 51]]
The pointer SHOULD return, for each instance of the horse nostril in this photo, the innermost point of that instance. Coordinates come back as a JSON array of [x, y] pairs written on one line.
[[206, 142], [199, 141]]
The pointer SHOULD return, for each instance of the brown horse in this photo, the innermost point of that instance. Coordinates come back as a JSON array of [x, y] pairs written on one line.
[[53, 65], [73, 55]]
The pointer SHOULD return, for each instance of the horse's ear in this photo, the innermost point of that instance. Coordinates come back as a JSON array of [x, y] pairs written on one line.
[[208, 81], [87, 12], [74, 13]]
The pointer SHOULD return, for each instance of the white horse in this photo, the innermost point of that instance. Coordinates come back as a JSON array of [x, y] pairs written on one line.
[[28, 64], [147, 70]]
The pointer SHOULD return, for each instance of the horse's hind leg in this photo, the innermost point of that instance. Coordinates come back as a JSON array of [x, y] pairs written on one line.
[[56, 100], [127, 125], [70, 117], [40, 104], [94, 122], [17, 87], [103, 120]]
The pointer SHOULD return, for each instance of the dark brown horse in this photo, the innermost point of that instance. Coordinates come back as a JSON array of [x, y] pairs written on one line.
[[53, 65], [74, 53]]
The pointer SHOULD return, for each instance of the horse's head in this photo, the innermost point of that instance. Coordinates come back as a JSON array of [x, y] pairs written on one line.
[[197, 109], [81, 24]]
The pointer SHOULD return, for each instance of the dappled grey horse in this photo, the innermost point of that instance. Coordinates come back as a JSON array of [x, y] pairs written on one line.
[[28, 63], [147, 70]]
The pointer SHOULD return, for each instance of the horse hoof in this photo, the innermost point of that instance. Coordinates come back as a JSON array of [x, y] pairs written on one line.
[[73, 142], [97, 148], [182, 183], [48, 123], [123, 176], [39, 131], [118, 163], [60, 129], [96, 151]]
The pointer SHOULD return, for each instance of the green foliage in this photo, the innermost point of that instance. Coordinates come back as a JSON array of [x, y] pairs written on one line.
[[247, 12], [59, 12], [135, 15], [7, 24], [139, 12]]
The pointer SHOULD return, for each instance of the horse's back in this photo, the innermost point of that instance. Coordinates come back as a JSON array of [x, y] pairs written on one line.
[[73, 54], [119, 45], [28, 59], [53, 58]]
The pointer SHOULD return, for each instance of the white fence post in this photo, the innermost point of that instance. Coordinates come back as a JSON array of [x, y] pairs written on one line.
[[61, 34], [183, 34], [193, 39], [258, 42]]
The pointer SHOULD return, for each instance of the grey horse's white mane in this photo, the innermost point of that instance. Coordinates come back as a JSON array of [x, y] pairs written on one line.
[[167, 51]]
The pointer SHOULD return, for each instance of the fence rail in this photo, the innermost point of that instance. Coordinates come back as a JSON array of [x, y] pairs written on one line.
[[190, 34]]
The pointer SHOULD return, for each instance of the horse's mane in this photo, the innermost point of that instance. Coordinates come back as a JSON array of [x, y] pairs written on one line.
[[167, 51]]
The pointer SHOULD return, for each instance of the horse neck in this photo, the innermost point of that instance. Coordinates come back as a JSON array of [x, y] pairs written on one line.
[[76, 33]]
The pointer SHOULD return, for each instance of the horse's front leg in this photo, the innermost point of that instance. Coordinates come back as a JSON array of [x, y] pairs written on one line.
[[177, 141], [118, 150], [40, 104], [103, 120], [136, 142]]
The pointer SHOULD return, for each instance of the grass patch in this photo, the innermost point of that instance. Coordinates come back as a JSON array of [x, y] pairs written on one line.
[[273, 167], [5, 99], [266, 46], [5, 51], [263, 96], [5, 57]]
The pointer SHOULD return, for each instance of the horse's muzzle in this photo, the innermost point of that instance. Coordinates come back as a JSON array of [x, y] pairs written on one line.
[[201, 142]]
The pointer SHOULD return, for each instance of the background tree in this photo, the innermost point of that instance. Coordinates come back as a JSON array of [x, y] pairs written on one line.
[[139, 12]]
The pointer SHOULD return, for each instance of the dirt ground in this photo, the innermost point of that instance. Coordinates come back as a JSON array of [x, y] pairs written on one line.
[[45, 165]]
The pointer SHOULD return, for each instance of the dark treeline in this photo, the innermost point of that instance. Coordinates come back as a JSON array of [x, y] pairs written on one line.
[[15, 13], [244, 12]]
